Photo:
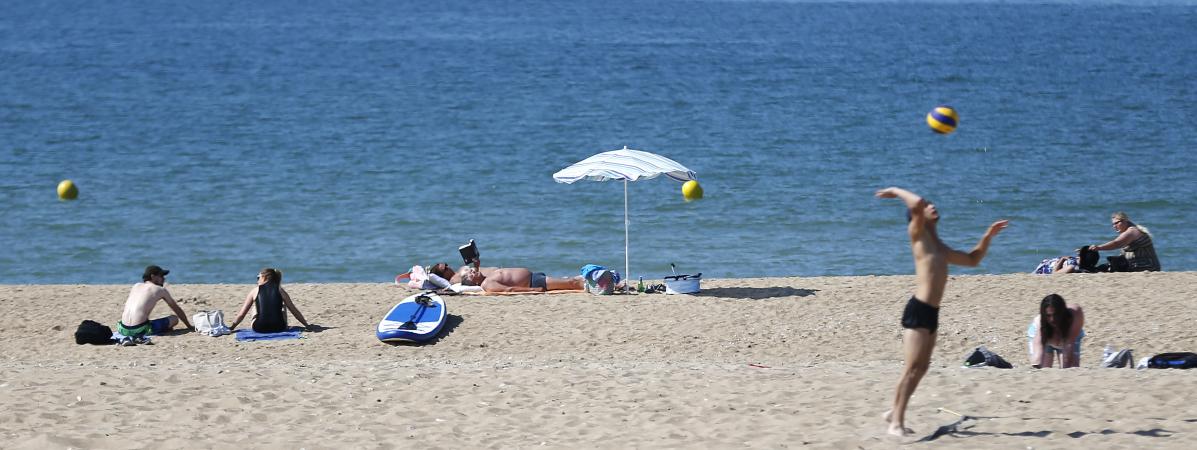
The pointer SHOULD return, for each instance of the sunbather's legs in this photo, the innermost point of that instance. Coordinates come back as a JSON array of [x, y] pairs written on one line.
[[564, 284]]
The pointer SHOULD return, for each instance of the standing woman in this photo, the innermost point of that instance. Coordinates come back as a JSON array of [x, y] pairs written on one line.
[[1136, 244], [1057, 329], [269, 297]]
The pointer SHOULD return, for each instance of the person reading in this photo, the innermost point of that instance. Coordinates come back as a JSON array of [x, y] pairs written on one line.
[[517, 279], [443, 270], [471, 258]]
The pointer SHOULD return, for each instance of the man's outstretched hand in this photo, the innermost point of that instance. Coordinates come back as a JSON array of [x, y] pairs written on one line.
[[886, 193], [997, 227]]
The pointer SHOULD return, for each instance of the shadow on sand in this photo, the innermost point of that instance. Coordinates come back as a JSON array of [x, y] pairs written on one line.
[[961, 428], [755, 293], [313, 329]]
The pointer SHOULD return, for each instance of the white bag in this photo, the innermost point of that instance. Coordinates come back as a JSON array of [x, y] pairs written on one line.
[[210, 323], [1119, 359]]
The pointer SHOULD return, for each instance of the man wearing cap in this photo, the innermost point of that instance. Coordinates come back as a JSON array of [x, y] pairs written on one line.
[[142, 299]]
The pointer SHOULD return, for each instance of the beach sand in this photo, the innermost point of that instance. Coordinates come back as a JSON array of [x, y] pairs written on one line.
[[764, 363]]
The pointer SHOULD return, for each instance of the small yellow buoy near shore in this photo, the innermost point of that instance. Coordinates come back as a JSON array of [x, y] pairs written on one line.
[[691, 190], [67, 190]]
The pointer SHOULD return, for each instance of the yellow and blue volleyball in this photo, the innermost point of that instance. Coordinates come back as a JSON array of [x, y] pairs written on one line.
[[943, 119]]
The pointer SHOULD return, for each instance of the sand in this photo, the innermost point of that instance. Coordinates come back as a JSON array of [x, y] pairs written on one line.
[[762, 363]]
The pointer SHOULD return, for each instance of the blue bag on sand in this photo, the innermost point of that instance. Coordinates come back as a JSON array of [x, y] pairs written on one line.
[[596, 282], [1179, 360]]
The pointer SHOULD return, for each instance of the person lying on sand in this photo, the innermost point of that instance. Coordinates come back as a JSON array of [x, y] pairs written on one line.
[[517, 279], [444, 271], [1085, 261], [1059, 265]]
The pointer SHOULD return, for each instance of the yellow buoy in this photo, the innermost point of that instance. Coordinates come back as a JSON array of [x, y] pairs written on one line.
[[691, 190], [67, 190]]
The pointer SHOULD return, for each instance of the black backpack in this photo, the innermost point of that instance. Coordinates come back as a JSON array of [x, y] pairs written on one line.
[[1182, 360], [91, 332], [982, 357]]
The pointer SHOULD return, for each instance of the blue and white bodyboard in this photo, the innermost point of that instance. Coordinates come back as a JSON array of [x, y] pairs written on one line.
[[418, 318]]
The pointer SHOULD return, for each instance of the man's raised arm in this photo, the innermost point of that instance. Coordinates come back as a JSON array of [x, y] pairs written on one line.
[[914, 203], [974, 257]]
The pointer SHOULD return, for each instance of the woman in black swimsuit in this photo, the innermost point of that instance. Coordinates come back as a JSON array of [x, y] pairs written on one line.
[[270, 298]]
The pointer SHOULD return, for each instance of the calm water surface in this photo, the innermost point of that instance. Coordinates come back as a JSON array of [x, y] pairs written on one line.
[[347, 142]]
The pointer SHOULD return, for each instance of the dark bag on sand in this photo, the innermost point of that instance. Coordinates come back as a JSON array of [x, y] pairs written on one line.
[[1118, 263], [982, 357], [91, 332], [1180, 360]]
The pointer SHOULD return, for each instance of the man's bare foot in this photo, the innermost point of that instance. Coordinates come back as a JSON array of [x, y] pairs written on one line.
[[898, 430], [895, 429]]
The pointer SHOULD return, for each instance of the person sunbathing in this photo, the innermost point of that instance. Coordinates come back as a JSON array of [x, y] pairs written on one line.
[[444, 271], [517, 279], [1085, 261], [1060, 265], [270, 299], [135, 325]]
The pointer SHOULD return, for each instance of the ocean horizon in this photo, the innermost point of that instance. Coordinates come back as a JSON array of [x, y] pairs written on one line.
[[349, 142]]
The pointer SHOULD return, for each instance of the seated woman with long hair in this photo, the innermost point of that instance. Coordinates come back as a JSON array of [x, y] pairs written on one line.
[[270, 298], [1058, 329], [1136, 244]]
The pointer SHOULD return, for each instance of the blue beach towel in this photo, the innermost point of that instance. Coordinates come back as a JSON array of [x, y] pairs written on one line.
[[589, 269], [251, 335]]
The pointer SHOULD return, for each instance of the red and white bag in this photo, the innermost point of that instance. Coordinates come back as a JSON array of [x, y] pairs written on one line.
[[418, 278]]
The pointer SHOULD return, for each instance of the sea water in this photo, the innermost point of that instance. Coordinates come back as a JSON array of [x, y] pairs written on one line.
[[348, 141]]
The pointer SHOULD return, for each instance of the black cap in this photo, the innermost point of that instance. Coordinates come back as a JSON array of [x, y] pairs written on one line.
[[153, 270]]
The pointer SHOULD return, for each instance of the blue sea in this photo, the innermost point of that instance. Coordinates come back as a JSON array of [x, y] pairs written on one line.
[[347, 141]]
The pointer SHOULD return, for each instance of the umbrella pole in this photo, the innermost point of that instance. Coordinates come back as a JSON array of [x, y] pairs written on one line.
[[627, 273]]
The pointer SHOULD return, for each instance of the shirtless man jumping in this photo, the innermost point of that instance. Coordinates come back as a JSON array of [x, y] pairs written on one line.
[[142, 298], [517, 279], [921, 317]]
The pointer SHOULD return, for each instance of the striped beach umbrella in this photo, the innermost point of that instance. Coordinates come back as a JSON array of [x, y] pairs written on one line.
[[624, 165]]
